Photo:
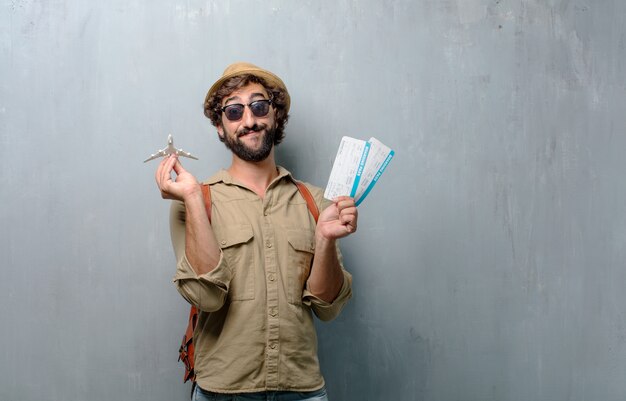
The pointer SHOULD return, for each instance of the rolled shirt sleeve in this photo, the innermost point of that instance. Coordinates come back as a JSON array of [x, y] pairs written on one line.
[[208, 291], [327, 311]]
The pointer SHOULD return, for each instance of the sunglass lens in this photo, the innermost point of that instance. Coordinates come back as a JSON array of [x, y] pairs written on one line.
[[260, 108], [234, 112]]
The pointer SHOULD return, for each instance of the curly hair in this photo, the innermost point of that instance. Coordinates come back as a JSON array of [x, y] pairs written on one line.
[[212, 106]]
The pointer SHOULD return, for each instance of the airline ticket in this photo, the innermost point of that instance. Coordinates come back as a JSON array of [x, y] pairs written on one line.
[[378, 158], [357, 167], [345, 168]]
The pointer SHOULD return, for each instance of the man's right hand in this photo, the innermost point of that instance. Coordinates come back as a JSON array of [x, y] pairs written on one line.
[[185, 185]]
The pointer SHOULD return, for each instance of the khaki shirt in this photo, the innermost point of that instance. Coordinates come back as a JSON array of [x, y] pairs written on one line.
[[255, 328]]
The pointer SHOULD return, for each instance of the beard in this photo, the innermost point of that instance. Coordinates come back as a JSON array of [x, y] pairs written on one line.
[[241, 150]]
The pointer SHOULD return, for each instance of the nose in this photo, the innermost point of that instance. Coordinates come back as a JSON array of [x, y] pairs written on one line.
[[248, 119]]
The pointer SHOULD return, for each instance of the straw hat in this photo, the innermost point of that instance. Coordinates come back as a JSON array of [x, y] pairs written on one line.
[[241, 68]]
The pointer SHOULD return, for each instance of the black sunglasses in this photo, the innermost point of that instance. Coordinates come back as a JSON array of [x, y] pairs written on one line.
[[259, 108]]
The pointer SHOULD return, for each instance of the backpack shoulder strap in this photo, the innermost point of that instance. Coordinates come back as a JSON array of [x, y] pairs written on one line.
[[308, 197], [187, 349], [206, 194], [304, 191], [186, 353]]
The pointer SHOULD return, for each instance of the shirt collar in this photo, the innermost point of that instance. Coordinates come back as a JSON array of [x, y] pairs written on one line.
[[226, 178]]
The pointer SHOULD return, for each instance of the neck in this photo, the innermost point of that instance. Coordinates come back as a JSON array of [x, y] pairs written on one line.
[[255, 175]]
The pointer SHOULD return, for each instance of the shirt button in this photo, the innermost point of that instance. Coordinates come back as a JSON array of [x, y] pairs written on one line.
[[223, 242], [271, 277], [273, 312], [268, 244], [273, 345]]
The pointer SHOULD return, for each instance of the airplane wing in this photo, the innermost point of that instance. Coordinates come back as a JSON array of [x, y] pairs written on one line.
[[181, 152], [159, 153]]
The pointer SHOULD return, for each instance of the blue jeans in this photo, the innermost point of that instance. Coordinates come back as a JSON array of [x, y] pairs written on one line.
[[203, 395]]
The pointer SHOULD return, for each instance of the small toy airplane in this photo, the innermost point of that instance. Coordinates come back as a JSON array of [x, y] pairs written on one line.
[[170, 150]]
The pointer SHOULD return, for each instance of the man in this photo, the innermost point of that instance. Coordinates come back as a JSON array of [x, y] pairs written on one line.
[[261, 266]]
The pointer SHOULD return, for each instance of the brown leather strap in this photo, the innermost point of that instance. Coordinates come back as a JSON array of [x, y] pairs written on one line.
[[187, 348], [193, 317], [206, 193], [310, 202], [304, 191]]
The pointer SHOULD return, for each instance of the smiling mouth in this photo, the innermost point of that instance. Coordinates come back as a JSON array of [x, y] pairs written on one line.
[[246, 133]]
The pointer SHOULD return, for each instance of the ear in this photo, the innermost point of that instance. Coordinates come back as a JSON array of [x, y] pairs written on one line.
[[220, 132]]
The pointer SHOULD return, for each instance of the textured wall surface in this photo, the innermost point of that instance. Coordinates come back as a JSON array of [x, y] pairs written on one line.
[[490, 258]]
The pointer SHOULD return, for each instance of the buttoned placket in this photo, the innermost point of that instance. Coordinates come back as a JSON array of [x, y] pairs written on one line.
[[272, 284]]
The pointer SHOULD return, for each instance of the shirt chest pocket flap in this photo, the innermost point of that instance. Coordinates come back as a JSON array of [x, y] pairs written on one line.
[[235, 241], [301, 251]]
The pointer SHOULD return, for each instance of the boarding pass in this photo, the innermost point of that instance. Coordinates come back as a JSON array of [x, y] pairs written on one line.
[[357, 167]]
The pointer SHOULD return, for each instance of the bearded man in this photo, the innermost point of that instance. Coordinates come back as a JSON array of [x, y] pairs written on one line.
[[260, 267]]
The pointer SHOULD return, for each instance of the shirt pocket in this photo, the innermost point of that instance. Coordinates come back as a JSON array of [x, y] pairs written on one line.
[[235, 241], [300, 258]]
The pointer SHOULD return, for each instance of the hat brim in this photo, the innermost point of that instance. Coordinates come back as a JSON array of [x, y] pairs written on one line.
[[267, 76]]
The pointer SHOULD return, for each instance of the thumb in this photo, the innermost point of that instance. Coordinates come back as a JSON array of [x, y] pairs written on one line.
[[178, 168]]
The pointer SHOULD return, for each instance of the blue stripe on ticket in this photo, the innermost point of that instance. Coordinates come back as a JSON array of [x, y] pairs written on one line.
[[376, 177]]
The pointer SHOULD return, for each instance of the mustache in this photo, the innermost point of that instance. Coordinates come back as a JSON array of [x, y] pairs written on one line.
[[255, 127]]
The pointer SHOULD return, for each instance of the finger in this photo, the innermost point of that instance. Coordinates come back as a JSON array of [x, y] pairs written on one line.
[[341, 198], [166, 172], [349, 211], [163, 171], [349, 215], [348, 219], [159, 171], [345, 203], [178, 167], [345, 219], [349, 226]]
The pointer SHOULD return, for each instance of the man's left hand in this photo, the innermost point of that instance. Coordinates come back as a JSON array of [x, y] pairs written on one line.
[[338, 220]]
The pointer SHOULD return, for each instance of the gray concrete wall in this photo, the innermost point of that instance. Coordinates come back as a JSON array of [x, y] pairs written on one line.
[[490, 258]]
